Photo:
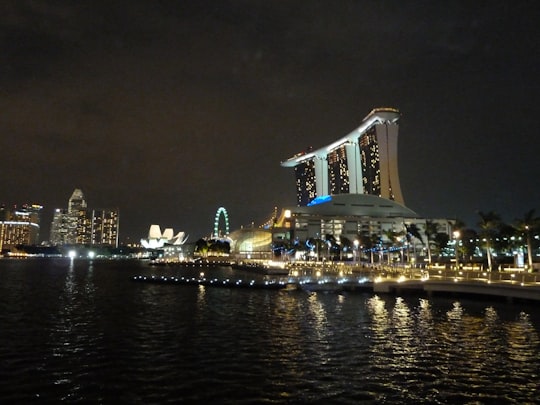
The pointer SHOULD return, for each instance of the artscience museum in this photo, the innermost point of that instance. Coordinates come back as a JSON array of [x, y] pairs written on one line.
[[157, 239]]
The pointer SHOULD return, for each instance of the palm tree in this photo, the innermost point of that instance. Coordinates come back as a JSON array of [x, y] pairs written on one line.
[[527, 224], [458, 226], [332, 247], [376, 241], [468, 243], [315, 245], [202, 247], [440, 241], [489, 224], [371, 243], [431, 230], [412, 231], [392, 237], [346, 245]]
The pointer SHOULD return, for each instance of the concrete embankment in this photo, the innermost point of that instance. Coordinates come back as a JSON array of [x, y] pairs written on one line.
[[508, 291]]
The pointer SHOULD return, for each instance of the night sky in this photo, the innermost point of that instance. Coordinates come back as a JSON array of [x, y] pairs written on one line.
[[170, 109]]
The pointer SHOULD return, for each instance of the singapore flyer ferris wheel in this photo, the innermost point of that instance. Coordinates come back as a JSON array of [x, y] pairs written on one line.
[[221, 212]]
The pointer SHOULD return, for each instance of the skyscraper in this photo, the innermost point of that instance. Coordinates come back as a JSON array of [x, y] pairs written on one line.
[[80, 225], [362, 162], [19, 225], [60, 227], [338, 171], [305, 182], [76, 201], [105, 227], [80, 219]]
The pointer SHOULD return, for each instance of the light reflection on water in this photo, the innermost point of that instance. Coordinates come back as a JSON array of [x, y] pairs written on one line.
[[458, 357], [83, 332]]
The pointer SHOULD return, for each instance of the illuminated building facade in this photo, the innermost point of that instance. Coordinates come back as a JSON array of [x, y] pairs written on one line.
[[362, 162], [157, 240], [60, 227], [305, 182], [347, 192], [348, 215], [369, 154], [338, 172], [19, 226], [104, 227], [79, 219], [79, 225], [355, 218]]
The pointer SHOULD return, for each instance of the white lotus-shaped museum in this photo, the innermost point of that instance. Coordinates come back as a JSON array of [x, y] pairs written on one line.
[[157, 240]]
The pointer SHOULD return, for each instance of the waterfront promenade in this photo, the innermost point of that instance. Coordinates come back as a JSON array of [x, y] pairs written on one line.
[[337, 277], [509, 284]]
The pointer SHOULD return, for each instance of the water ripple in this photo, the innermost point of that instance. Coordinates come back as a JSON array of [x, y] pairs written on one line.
[[83, 333]]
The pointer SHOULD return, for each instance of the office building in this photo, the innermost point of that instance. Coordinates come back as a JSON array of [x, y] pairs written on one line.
[[19, 226], [80, 225], [104, 229]]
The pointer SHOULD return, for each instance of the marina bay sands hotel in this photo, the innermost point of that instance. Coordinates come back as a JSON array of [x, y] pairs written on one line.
[[362, 162], [347, 189]]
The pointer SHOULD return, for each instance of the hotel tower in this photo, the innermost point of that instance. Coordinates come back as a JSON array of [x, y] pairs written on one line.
[[362, 162]]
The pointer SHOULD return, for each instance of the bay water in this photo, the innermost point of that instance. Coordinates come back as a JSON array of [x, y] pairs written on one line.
[[82, 331]]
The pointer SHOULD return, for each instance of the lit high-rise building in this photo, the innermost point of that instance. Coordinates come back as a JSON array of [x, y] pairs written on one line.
[[105, 227], [76, 202], [19, 225], [60, 227], [79, 225], [362, 162], [305, 182], [338, 171]]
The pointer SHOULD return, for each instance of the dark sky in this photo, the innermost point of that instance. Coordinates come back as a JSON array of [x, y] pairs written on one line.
[[171, 109]]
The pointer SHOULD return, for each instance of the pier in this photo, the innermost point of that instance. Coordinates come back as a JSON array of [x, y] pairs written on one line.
[[389, 280], [507, 284], [435, 281], [272, 284]]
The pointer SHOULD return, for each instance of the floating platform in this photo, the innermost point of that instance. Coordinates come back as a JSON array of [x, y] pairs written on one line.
[[223, 283], [191, 263]]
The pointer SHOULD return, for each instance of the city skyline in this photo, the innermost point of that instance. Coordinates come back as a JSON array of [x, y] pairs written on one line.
[[82, 225], [169, 111]]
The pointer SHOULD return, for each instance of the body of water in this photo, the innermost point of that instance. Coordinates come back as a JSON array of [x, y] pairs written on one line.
[[82, 331]]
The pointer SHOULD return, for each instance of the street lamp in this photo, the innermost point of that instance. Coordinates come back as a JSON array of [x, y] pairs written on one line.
[[456, 246], [356, 243], [529, 248], [402, 243]]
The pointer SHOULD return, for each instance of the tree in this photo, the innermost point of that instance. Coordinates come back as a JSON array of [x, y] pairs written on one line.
[[527, 224], [201, 247], [315, 245], [489, 225], [370, 243], [458, 228], [505, 239], [346, 245], [333, 247], [432, 228], [468, 243], [376, 243], [280, 248], [219, 246], [299, 248], [392, 237], [441, 241], [412, 231]]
